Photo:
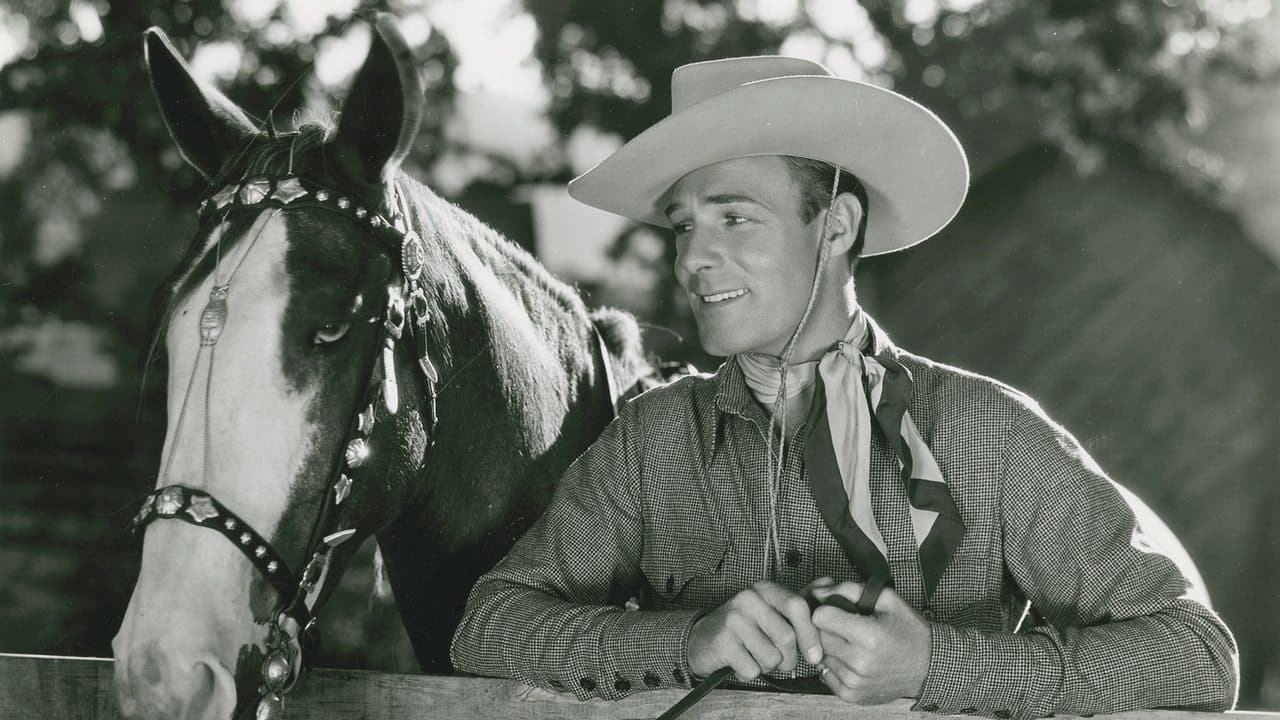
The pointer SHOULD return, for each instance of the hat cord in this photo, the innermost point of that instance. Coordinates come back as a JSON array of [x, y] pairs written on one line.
[[772, 547]]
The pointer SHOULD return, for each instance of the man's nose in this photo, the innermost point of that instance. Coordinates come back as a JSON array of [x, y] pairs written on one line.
[[698, 253]]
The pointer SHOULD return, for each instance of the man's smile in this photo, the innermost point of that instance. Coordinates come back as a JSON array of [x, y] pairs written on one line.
[[720, 297]]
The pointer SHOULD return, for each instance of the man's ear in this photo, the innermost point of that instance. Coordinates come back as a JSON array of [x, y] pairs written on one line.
[[206, 126], [846, 216], [382, 111]]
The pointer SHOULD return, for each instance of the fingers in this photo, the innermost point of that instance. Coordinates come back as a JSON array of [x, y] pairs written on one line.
[[852, 628], [744, 666], [800, 632], [852, 686]]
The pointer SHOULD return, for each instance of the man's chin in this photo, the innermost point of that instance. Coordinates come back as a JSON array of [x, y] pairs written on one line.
[[718, 344]]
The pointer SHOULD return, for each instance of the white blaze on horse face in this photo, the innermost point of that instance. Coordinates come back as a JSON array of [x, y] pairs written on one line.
[[191, 607]]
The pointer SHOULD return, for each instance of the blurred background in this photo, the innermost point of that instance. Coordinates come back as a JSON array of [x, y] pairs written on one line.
[[1118, 258]]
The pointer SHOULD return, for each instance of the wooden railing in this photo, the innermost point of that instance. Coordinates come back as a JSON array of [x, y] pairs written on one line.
[[57, 688]]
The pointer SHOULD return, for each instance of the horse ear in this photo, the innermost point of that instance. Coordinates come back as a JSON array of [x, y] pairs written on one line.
[[206, 126], [382, 111]]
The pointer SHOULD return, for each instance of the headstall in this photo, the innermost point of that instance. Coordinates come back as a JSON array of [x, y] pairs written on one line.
[[406, 305]]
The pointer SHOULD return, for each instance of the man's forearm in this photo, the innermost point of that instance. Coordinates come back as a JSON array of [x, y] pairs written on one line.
[[1181, 657], [512, 630]]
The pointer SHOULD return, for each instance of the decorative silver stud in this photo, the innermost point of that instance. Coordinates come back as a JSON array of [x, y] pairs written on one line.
[[341, 489], [276, 670], [223, 197], [202, 508], [344, 203], [357, 452], [337, 538], [214, 315], [270, 707], [361, 213], [144, 513], [254, 191], [245, 538], [311, 574], [203, 204], [364, 422], [260, 552], [322, 195], [229, 524], [413, 256], [288, 190], [169, 501], [273, 566]]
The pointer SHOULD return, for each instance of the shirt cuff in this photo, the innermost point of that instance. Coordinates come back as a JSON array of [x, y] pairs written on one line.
[[999, 675], [639, 650]]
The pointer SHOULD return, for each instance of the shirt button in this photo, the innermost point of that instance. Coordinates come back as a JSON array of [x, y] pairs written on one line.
[[622, 685], [651, 680], [1002, 714], [556, 684], [794, 558], [678, 674], [929, 614], [587, 684]]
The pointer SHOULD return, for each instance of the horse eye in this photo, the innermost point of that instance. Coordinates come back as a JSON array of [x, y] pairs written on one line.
[[331, 332]]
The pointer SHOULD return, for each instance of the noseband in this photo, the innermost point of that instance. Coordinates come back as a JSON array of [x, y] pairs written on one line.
[[406, 304]]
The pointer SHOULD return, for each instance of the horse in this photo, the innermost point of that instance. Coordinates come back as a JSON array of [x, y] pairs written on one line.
[[349, 355]]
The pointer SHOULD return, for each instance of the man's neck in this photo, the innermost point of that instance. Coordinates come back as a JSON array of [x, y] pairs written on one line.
[[827, 324]]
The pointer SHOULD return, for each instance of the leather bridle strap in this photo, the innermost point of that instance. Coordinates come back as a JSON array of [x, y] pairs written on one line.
[[199, 508]]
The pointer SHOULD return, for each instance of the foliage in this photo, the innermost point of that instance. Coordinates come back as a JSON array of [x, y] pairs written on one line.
[[79, 87], [1089, 72]]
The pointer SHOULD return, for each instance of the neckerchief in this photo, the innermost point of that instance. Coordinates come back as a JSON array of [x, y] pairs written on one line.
[[849, 383]]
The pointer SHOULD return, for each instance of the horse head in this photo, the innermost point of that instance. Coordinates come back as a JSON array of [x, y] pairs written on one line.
[[299, 331]]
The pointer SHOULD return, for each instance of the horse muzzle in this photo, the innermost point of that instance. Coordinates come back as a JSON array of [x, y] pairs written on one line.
[[159, 681]]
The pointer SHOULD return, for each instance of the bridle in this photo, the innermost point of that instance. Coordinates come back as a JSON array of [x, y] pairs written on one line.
[[299, 593]]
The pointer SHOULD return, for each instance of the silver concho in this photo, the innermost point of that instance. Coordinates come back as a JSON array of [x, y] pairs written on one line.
[[169, 502], [254, 191], [288, 190], [201, 508], [214, 315], [341, 489], [413, 256], [223, 197], [356, 453]]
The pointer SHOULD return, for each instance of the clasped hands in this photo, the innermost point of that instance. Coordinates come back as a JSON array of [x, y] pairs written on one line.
[[868, 659]]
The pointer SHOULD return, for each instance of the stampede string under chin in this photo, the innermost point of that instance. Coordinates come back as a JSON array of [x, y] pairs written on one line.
[[406, 301]]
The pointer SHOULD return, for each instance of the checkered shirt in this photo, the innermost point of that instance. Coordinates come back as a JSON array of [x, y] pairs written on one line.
[[668, 511]]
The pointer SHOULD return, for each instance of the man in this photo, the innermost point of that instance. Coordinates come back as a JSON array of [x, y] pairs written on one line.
[[822, 461]]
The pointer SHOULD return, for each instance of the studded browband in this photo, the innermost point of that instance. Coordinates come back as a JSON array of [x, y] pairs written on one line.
[[406, 304]]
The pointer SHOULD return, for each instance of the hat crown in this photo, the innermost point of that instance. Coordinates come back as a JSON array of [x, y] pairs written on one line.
[[698, 81]]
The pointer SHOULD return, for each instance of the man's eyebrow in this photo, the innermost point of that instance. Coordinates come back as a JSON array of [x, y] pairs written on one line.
[[720, 199]]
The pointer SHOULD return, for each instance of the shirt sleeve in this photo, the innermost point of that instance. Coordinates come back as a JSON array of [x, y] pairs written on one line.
[[1123, 626], [551, 612]]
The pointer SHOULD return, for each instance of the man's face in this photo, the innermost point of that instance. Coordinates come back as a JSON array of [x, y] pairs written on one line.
[[744, 257]]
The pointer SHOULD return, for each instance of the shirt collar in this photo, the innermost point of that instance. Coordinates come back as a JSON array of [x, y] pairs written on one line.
[[733, 397]]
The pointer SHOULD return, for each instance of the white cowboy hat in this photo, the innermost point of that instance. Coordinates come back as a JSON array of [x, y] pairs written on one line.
[[912, 165]]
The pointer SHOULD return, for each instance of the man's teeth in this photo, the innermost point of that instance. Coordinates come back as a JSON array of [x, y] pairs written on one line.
[[721, 297]]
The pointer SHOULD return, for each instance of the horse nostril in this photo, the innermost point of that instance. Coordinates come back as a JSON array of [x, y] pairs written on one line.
[[154, 686], [212, 692]]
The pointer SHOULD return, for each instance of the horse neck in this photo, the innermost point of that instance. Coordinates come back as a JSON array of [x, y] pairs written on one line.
[[521, 393]]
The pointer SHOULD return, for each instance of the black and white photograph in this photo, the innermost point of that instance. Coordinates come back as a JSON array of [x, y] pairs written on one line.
[[618, 359]]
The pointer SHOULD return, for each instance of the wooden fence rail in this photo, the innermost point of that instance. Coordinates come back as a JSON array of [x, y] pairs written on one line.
[[57, 688]]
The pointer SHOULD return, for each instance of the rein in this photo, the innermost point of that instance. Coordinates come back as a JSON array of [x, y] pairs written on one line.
[[299, 593]]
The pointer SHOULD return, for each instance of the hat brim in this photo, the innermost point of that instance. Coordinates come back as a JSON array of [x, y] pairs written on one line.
[[912, 165]]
